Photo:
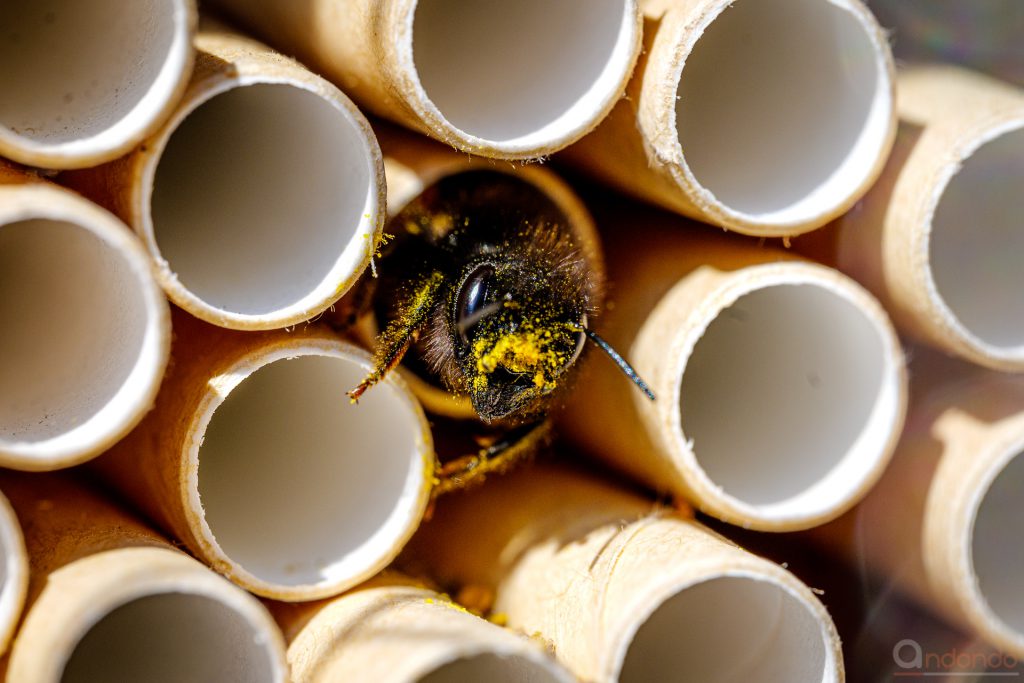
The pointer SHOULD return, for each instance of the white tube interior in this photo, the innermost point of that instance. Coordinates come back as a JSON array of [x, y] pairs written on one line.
[[171, 637], [299, 486], [85, 76], [77, 347], [977, 235], [996, 550], [789, 400], [729, 629], [784, 108], [258, 198], [494, 668], [522, 74], [13, 570]]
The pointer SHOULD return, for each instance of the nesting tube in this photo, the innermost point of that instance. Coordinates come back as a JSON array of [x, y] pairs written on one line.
[[86, 81], [261, 199], [623, 590], [394, 630], [13, 573], [944, 522], [768, 118], [86, 329], [255, 458], [937, 238], [510, 80], [414, 164], [779, 384], [109, 599]]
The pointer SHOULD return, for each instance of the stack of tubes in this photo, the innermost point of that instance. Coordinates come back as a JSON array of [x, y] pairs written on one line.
[[193, 212]]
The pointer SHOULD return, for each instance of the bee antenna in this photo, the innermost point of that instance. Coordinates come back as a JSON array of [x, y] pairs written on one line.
[[620, 361]]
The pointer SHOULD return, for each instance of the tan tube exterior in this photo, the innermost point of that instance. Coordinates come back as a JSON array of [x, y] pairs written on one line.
[[670, 285], [889, 242], [393, 630], [214, 509], [87, 558], [366, 47], [229, 65], [87, 82], [638, 148], [87, 329], [584, 566], [922, 527]]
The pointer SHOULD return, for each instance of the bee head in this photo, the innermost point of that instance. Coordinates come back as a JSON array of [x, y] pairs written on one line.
[[518, 328]]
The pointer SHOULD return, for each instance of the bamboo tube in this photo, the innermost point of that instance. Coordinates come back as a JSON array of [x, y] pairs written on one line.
[[780, 384], [944, 523], [354, 637], [623, 590], [109, 599], [261, 200], [13, 573], [768, 118], [86, 81], [412, 164], [86, 329], [513, 80], [936, 239], [256, 460]]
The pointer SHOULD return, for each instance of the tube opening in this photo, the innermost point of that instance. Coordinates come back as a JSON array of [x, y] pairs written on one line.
[[731, 628], [76, 325], [494, 668], [976, 237], [257, 201], [299, 486], [13, 572], [88, 75], [171, 637], [996, 551], [522, 74], [784, 108], [790, 399]]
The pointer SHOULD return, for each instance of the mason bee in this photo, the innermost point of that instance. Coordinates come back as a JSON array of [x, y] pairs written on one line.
[[483, 279]]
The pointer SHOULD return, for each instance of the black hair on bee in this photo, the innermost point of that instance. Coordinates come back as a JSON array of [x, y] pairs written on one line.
[[484, 277]]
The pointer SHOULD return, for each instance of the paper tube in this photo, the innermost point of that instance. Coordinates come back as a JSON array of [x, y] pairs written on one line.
[[768, 118], [514, 80], [937, 239], [412, 164], [261, 200], [85, 327], [356, 637], [780, 384], [625, 591], [86, 81], [257, 461], [13, 573], [944, 522], [111, 600]]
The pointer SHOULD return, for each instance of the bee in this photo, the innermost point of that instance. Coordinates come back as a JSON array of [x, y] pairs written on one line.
[[483, 279]]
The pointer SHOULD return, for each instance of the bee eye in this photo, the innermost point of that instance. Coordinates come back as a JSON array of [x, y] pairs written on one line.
[[473, 298]]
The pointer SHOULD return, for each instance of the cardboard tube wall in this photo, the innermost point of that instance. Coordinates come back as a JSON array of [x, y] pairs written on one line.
[[261, 199], [768, 118], [780, 384], [625, 591], [109, 599], [943, 523], [937, 238], [13, 573], [357, 635], [86, 329], [509, 80], [86, 81], [256, 460], [412, 164]]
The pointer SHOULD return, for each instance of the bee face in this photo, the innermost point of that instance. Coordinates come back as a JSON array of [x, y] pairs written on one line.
[[516, 335]]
